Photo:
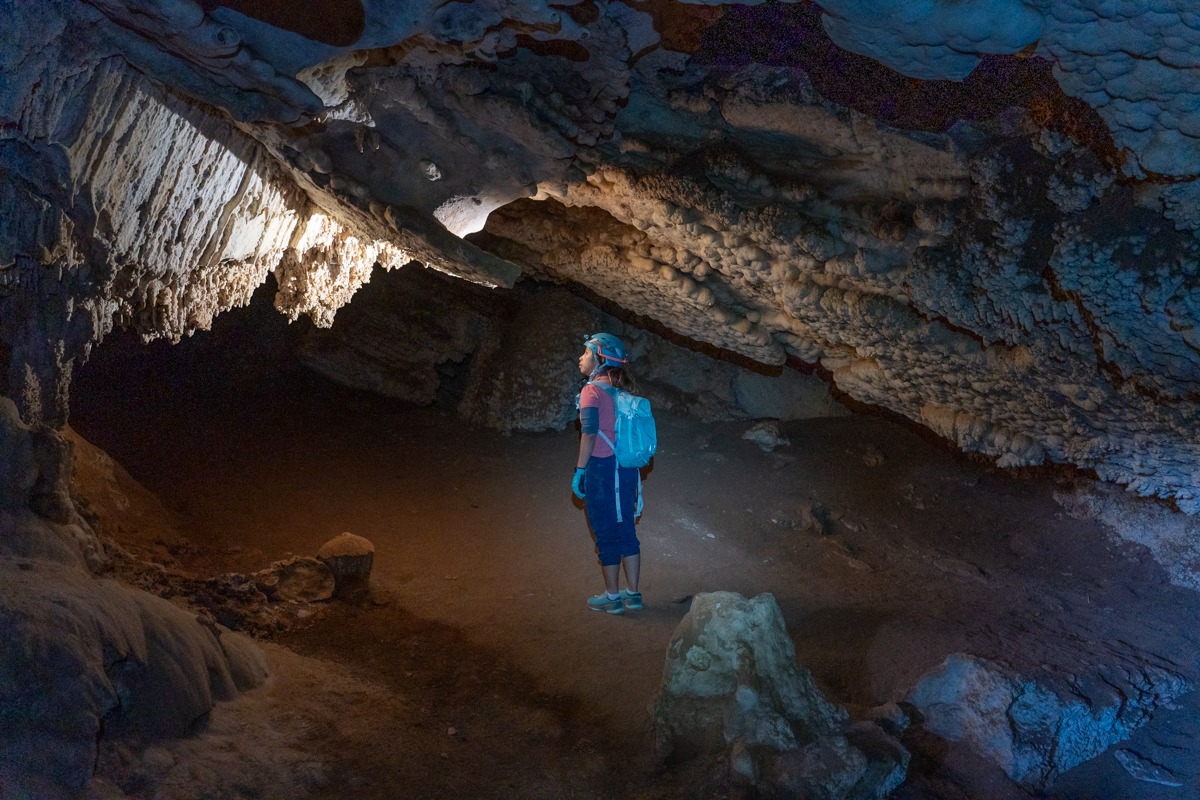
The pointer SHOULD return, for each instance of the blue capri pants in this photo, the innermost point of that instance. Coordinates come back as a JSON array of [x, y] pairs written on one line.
[[614, 540]]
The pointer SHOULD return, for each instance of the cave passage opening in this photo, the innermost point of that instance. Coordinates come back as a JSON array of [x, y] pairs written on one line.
[[885, 551]]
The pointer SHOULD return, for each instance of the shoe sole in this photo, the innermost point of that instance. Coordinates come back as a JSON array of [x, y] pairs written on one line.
[[618, 610]]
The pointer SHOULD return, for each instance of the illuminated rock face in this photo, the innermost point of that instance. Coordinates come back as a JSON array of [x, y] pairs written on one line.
[[1022, 283], [731, 685], [1014, 298]]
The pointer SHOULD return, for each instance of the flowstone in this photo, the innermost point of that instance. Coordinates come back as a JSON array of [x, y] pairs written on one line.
[[86, 658]]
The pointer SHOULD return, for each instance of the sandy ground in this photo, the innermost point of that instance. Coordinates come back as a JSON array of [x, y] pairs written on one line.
[[478, 671]]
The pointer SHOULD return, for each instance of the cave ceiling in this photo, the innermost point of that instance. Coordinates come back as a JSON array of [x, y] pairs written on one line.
[[980, 215]]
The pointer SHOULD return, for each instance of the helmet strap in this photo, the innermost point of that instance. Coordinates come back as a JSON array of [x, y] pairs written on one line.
[[598, 359]]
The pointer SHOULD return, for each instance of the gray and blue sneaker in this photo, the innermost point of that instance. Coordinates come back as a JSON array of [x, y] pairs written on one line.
[[601, 602], [631, 600]]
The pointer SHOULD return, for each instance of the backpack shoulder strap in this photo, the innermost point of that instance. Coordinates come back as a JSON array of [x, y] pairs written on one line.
[[612, 392], [608, 388]]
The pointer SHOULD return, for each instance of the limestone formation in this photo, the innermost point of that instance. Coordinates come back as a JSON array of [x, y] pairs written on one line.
[[526, 376], [1135, 63], [693, 383], [85, 657], [1022, 282], [766, 435], [409, 334], [1174, 540], [1020, 275], [508, 361], [1035, 730], [37, 516], [731, 685]]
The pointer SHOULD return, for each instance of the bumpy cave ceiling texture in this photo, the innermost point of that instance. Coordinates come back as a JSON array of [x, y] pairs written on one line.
[[982, 216]]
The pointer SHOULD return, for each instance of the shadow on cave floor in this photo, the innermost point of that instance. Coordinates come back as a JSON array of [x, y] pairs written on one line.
[[885, 553]]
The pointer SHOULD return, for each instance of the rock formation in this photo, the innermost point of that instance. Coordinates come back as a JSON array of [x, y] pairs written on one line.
[[349, 558], [87, 657], [1036, 730], [731, 686], [1017, 270], [506, 361]]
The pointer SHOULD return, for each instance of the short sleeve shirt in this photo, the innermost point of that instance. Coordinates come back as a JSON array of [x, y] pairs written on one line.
[[595, 397]]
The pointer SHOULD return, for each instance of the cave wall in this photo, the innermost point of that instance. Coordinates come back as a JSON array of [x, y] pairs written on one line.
[[507, 361], [1134, 62], [1022, 281]]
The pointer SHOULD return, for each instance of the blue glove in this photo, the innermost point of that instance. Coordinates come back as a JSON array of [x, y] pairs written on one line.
[[577, 483]]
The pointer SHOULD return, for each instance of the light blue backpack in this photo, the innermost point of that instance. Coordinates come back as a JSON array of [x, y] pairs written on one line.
[[636, 436]]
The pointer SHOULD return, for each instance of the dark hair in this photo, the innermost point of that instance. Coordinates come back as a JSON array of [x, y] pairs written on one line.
[[619, 377]]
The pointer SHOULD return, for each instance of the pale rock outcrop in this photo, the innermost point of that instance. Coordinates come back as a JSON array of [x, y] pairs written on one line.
[[1035, 730], [349, 558], [731, 685]]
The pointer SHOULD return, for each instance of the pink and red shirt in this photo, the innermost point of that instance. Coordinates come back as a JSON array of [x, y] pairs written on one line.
[[595, 397]]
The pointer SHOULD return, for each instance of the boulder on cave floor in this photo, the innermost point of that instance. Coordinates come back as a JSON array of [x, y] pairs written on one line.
[[299, 578], [349, 558], [1035, 730], [732, 688]]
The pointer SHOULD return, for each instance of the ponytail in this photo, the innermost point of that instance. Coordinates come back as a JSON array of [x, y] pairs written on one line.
[[621, 378]]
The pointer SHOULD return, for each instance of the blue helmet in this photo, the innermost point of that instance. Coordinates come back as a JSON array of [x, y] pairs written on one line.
[[608, 349]]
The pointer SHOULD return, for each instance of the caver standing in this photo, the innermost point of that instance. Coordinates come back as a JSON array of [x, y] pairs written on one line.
[[609, 491]]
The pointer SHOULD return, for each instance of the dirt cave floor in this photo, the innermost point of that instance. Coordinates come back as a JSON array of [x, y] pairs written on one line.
[[477, 671]]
